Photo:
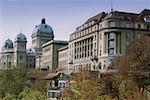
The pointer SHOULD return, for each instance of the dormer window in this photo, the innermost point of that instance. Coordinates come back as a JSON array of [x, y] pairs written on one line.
[[147, 18], [45, 26]]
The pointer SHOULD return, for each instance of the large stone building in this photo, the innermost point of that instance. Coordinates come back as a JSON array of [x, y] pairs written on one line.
[[14, 55], [105, 37], [49, 58], [45, 47], [43, 53], [93, 45], [42, 33]]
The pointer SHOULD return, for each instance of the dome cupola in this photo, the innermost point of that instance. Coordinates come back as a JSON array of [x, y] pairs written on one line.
[[8, 44], [20, 37], [43, 28]]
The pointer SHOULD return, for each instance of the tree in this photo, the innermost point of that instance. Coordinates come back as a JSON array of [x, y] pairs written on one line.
[[134, 68], [14, 86], [29, 93], [87, 85], [12, 81]]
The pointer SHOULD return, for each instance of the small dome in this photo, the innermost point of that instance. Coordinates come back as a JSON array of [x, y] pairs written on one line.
[[43, 28], [20, 37], [8, 44]]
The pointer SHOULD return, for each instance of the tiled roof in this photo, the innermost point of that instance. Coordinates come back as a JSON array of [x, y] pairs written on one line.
[[97, 17], [38, 74], [51, 75]]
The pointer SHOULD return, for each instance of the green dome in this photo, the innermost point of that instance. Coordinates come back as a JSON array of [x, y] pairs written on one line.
[[43, 28], [20, 37], [8, 44]]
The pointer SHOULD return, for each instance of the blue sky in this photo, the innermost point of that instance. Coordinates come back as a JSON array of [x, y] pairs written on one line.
[[62, 15]]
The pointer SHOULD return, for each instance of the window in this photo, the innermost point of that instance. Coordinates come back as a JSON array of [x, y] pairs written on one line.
[[62, 85], [127, 25], [111, 51], [21, 57], [148, 27], [127, 36], [9, 64], [45, 26], [138, 35], [111, 35], [112, 24], [4, 65], [100, 26], [100, 52], [139, 26], [111, 44], [127, 40], [100, 36]]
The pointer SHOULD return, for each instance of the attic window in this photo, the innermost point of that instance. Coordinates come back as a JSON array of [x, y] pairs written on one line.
[[35, 26], [45, 26]]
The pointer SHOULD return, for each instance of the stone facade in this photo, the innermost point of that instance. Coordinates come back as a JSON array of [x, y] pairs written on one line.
[[49, 57], [105, 37], [14, 55], [63, 59], [94, 45]]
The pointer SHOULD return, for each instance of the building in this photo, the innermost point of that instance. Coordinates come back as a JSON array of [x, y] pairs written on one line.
[[94, 45], [105, 37], [13, 55], [42, 33], [63, 59], [42, 55], [7, 55], [49, 58]]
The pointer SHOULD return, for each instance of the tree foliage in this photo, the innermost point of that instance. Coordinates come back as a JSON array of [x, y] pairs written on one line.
[[134, 68], [14, 86], [129, 83], [29, 93], [87, 85], [12, 81]]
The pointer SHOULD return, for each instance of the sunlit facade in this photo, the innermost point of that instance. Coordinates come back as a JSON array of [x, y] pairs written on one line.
[[95, 44]]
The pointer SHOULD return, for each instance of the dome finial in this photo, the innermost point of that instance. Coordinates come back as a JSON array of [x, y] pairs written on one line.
[[43, 21]]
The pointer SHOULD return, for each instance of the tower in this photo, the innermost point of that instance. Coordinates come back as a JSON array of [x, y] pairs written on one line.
[[20, 50], [42, 33], [7, 55]]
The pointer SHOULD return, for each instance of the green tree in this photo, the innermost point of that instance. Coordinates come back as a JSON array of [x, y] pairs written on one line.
[[9, 96], [12, 81], [134, 69], [30, 94], [87, 85]]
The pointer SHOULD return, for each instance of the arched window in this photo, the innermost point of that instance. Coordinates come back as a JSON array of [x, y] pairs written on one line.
[[9, 64]]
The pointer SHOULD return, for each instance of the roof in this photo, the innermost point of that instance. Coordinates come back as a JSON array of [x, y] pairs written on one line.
[[97, 17], [43, 28], [38, 74], [133, 16], [54, 42], [63, 48], [8, 43], [20, 37], [51, 75]]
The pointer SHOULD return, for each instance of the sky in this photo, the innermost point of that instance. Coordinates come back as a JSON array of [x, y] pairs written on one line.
[[62, 15]]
